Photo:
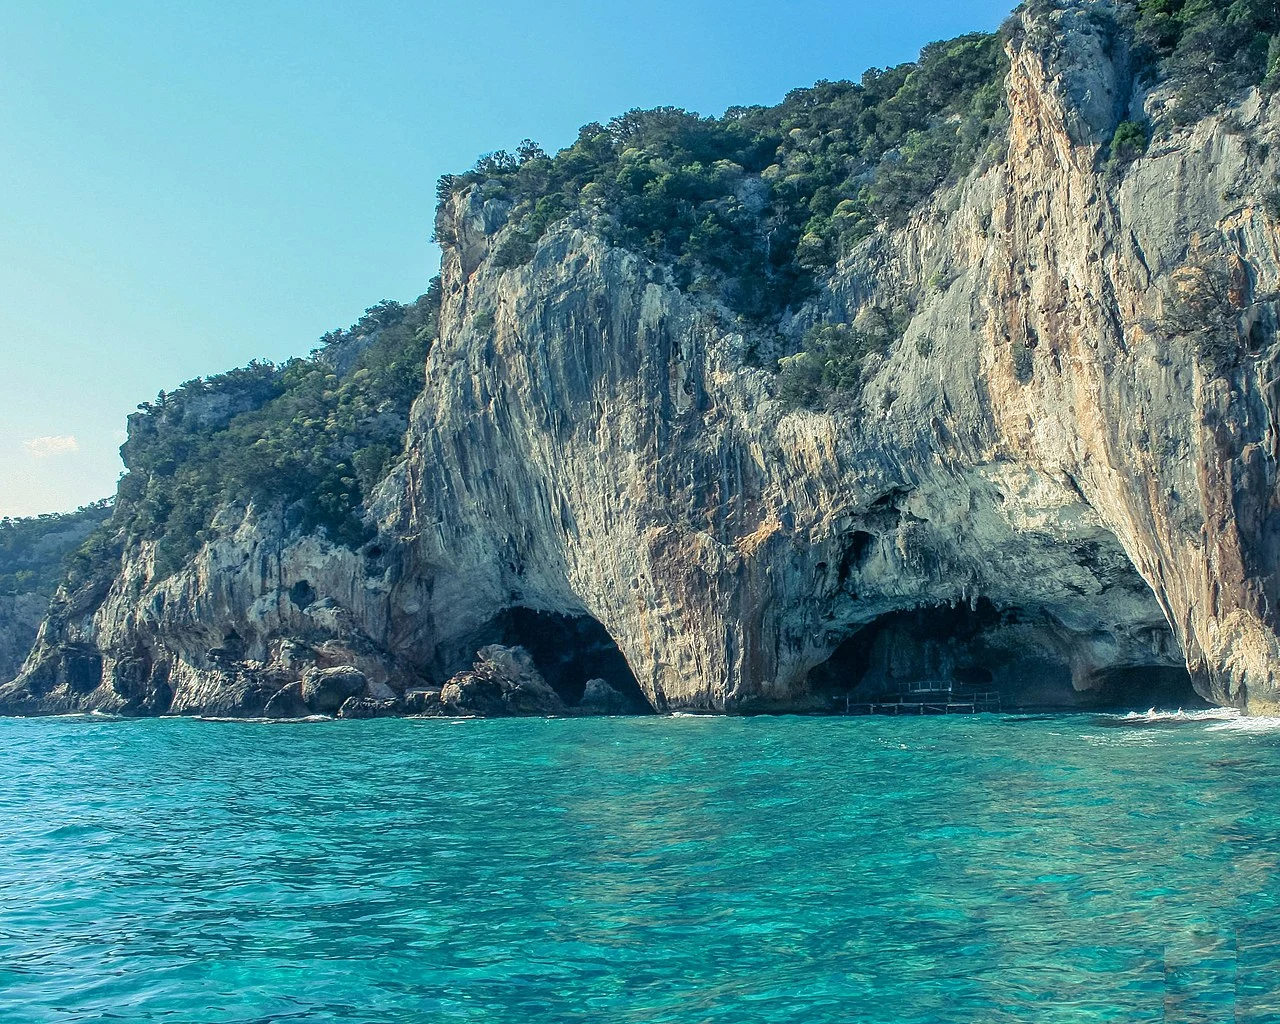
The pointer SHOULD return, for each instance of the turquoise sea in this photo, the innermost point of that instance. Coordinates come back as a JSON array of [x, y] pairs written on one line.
[[987, 868]]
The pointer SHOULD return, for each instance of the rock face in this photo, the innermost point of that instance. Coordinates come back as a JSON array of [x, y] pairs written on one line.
[[20, 617], [504, 681], [1067, 462], [31, 551]]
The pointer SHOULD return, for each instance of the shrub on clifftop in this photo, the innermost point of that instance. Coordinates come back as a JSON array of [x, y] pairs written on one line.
[[750, 206], [311, 436], [1208, 50]]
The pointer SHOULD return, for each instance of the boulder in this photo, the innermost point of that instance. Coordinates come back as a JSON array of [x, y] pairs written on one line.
[[325, 689], [381, 690], [599, 698], [423, 702], [287, 703], [503, 682], [371, 707]]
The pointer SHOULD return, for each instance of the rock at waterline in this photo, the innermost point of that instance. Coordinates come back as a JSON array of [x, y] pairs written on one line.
[[504, 681], [599, 698], [287, 702], [371, 707], [325, 689]]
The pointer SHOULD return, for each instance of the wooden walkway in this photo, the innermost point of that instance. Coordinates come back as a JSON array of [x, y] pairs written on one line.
[[941, 703]]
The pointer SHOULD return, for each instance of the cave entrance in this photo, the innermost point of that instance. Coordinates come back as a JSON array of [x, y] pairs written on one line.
[[914, 648], [571, 649], [1022, 655], [1140, 688]]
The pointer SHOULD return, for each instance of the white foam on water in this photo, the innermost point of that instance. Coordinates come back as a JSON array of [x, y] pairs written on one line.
[[258, 720], [1138, 720], [1243, 723], [1119, 738], [1217, 719], [1155, 717]]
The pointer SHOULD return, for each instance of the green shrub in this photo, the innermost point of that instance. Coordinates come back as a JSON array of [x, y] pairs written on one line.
[[34, 551], [828, 371], [515, 250], [1207, 50], [1128, 143], [1200, 307], [371, 464]]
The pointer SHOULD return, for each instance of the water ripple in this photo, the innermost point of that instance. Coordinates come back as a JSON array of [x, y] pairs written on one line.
[[991, 869]]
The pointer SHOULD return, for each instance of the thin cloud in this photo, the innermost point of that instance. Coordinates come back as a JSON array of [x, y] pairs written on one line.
[[43, 447]]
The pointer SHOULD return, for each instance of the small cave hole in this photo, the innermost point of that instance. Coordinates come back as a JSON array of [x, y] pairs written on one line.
[[230, 650], [888, 500], [302, 594], [569, 650], [855, 554]]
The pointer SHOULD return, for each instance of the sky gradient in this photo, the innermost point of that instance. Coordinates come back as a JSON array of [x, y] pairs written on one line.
[[191, 186]]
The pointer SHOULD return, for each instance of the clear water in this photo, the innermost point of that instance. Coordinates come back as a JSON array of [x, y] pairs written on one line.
[[684, 869]]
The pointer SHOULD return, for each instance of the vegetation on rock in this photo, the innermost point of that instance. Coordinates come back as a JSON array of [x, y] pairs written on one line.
[[310, 437], [33, 550], [751, 206], [832, 364], [1208, 50], [748, 207], [1128, 143]]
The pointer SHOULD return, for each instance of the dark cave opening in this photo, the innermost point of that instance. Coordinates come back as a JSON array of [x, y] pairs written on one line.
[[569, 650], [840, 674], [908, 647], [1138, 688], [981, 649]]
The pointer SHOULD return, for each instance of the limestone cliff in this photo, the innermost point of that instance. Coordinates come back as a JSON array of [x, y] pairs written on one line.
[[1064, 469], [32, 552], [20, 618]]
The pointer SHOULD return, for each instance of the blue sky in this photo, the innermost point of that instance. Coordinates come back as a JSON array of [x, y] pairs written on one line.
[[188, 186]]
